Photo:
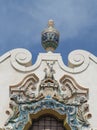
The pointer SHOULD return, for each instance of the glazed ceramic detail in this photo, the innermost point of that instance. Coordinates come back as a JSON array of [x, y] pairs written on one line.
[[68, 99], [50, 37]]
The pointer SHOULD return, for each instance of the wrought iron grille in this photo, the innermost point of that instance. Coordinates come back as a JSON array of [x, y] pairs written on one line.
[[47, 123]]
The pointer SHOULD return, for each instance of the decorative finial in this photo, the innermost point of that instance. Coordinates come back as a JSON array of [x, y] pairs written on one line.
[[50, 37], [51, 23]]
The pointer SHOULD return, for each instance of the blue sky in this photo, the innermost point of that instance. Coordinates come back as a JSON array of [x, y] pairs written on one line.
[[22, 21]]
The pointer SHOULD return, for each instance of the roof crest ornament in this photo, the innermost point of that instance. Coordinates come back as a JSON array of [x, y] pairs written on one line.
[[50, 37]]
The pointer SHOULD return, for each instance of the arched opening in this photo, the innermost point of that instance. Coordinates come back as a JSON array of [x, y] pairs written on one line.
[[47, 122], [39, 121]]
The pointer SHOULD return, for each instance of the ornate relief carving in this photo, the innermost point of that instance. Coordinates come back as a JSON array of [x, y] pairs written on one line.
[[45, 104], [83, 115], [49, 86], [74, 94], [14, 114], [25, 91], [32, 108], [70, 99], [20, 94]]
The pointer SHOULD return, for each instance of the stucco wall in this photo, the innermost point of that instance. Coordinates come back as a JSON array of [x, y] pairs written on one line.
[[16, 64]]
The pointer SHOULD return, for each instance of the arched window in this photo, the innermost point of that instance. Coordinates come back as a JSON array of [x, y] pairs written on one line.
[[47, 122]]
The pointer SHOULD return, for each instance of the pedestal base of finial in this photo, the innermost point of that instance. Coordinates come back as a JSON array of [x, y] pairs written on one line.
[[50, 46]]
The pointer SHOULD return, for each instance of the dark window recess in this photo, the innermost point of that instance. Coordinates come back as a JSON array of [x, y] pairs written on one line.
[[47, 122]]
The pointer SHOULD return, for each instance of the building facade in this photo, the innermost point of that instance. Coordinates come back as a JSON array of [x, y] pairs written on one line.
[[48, 95]]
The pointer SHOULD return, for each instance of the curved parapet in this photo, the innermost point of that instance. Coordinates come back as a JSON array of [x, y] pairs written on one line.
[[79, 60], [21, 60]]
